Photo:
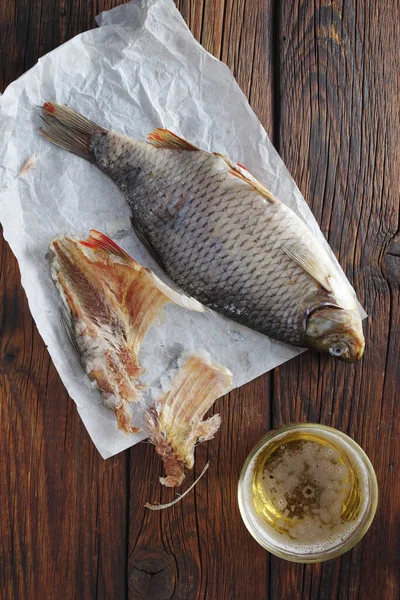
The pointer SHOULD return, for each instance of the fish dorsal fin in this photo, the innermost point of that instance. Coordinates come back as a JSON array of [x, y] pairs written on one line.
[[163, 138], [323, 274], [239, 171]]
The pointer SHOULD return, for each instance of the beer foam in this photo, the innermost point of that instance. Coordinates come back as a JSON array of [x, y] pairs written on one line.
[[307, 489]]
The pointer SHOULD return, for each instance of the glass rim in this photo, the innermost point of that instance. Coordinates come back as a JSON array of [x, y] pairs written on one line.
[[355, 535]]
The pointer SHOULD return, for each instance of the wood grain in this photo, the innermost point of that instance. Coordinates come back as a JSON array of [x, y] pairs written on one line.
[[63, 510], [323, 78], [200, 548], [339, 136]]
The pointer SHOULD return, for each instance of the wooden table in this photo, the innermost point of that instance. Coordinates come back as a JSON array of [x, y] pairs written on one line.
[[324, 79]]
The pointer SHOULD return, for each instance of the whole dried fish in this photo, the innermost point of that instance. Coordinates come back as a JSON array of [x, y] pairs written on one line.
[[221, 235], [175, 422], [110, 303]]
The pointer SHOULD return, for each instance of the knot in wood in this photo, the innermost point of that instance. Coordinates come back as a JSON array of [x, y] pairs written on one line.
[[151, 575], [9, 356], [391, 262]]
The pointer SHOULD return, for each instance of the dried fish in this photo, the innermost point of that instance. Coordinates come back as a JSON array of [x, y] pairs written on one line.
[[110, 303], [175, 422], [221, 235]]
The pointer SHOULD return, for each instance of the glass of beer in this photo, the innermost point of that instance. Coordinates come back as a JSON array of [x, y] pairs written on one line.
[[307, 492]]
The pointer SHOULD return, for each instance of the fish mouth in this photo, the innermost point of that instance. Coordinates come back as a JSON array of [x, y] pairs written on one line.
[[354, 356], [360, 351]]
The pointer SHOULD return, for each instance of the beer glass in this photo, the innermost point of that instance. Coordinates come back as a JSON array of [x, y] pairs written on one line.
[[307, 492]]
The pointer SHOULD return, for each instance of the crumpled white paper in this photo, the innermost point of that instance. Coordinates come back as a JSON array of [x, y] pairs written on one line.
[[141, 69]]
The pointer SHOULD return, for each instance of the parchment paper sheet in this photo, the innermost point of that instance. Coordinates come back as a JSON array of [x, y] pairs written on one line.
[[139, 70]]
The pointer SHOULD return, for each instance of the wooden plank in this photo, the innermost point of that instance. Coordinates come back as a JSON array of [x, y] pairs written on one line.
[[63, 518], [63, 509], [339, 128], [200, 548]]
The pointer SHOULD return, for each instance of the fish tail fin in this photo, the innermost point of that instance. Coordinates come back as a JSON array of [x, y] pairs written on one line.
[[69, 129]]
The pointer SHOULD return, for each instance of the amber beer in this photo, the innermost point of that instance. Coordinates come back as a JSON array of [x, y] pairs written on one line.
[[307, 492]]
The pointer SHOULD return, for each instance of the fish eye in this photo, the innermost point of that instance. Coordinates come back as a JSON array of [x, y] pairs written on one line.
[[337, 350]]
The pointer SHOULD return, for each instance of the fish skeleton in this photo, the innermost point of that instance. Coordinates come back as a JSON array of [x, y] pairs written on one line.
[[221, 235], [176, 421], [110, 301]]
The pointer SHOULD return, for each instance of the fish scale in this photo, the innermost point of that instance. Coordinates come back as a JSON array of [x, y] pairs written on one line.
[[221, 236]]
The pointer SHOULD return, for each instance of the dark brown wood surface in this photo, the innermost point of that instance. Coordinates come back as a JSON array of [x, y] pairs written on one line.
[[324, 79]]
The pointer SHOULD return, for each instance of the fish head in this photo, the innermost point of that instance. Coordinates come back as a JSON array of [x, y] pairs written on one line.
[[337, 331]]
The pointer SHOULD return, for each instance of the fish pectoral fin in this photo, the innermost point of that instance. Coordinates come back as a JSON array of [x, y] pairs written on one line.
[[163, 138], [308, 262], [173, 296], [325, 274]]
